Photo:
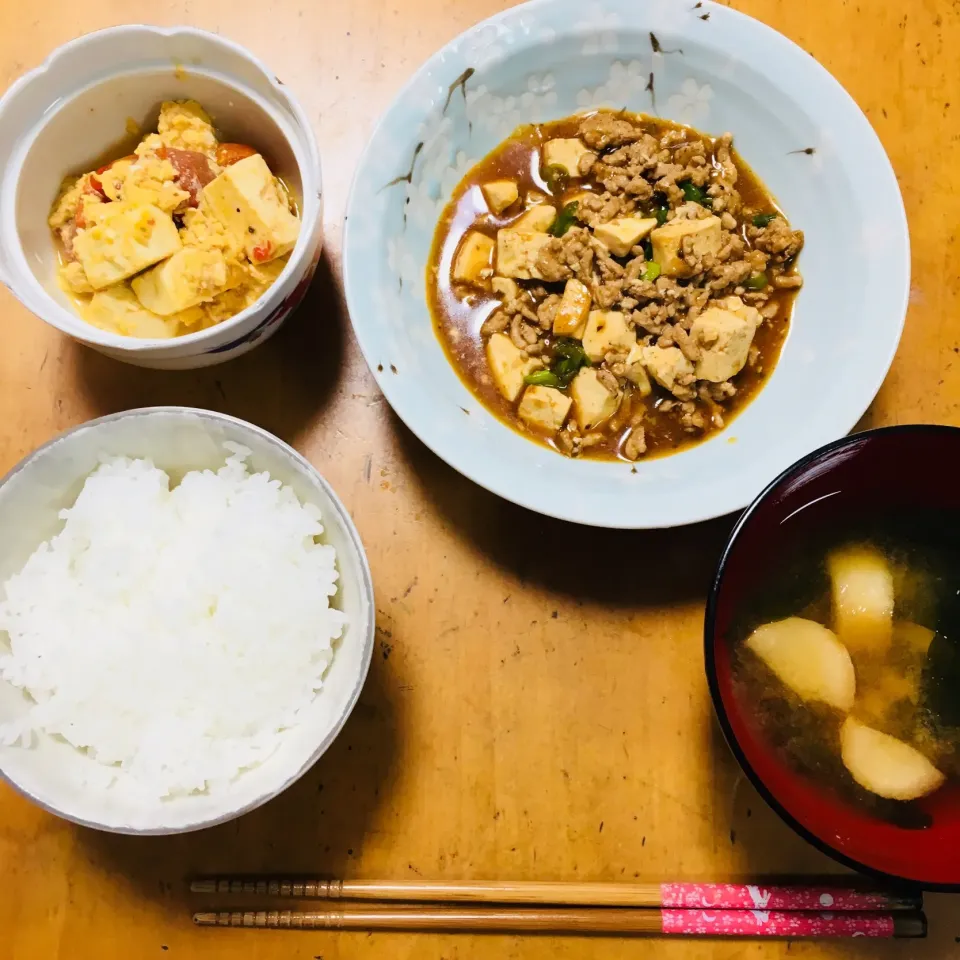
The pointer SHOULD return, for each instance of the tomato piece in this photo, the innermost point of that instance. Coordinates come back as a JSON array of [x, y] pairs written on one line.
[[230, 153], [262, 251], [132, 157], [193, 170], [96, 187]]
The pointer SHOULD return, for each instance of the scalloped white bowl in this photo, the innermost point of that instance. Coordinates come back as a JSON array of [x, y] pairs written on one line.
[[718, 70], [61, 117]]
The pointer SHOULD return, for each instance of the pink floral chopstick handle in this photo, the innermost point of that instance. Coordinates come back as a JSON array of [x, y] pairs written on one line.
[[737, 896], [774, 923]]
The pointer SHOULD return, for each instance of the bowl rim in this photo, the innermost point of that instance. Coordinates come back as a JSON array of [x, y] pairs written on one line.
[[501, 485], [709, 649], [366, 590], [311, 176]]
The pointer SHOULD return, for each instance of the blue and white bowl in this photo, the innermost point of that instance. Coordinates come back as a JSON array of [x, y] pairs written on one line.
[[698, 63], [61, 117]]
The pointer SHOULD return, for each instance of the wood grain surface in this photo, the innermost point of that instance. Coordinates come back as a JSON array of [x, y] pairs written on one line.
[[524, 718]]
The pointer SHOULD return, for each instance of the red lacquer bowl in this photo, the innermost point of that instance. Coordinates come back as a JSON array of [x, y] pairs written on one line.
[[881, 470]]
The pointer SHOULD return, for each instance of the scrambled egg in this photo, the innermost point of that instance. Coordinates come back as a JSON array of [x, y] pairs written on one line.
[[183, 234], [186, 126], [150, 179]]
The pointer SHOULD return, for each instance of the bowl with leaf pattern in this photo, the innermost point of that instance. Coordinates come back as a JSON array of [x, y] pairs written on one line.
[[700, 64]]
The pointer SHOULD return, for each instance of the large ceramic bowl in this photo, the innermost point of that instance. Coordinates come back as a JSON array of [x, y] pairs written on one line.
[[699, 63], [885, 473], [178, 439], [61, 117]]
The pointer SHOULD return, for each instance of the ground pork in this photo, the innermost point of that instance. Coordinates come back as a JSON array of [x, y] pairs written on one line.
[[551, 263], [522, 333], [636, 444], [547, 311], [597, 208], [778, 240], [497, 322], [603, 130], [607, 294]]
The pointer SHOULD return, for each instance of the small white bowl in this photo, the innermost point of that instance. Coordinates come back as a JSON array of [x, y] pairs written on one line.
[[60, 118], [698, 63], [178, 439]]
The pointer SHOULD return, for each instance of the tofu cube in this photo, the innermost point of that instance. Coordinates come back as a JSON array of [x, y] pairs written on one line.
[[122, 240], [247, 200], [118, 311], [474, 260], [506, 288], [536, 219], [607, 332], [636, 371], [593, 403], [668, 243], [508, 365], [565, 153], [621, 235], [544, 409], [724, 337], [500, 194], [668, 366], [191, 276], [517, 252], [571, 316]]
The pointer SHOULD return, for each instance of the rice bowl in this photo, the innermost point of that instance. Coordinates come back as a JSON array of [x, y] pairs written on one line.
[[151, 749]]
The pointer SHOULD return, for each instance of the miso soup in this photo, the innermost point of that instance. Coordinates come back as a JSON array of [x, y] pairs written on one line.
[[848, 655]]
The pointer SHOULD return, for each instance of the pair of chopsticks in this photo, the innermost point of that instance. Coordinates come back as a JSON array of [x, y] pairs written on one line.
[[635, 909]]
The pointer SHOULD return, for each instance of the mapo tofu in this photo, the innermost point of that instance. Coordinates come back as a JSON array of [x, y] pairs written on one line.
[[613, 285]]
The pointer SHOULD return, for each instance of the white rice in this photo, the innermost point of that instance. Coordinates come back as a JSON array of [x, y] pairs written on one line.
[[172, 635]]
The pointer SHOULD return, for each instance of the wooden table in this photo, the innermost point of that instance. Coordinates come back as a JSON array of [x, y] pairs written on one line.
[[521, 720]]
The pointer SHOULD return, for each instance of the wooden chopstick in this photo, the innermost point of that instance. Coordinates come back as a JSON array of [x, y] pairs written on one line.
[[592, 920], [715, 896]]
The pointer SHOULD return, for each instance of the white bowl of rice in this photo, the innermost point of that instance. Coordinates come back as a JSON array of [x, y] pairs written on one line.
[[186, 620]]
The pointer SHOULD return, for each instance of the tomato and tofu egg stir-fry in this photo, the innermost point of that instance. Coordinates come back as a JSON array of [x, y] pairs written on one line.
[[618, 284], [183, 234]]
